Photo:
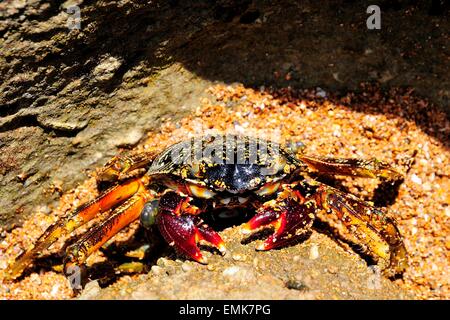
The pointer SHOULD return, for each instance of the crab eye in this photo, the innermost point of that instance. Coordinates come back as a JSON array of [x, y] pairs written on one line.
[[268, 189], [276, 166], [200, 192], [148, 213], [295, 146]]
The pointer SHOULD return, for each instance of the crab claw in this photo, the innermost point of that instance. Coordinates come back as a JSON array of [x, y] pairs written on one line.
[[265, 217], [289, 218], [183, 230], [182, 233], [207, 234]]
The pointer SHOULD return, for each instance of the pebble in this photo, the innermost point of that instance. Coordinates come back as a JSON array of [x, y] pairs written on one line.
[[314, 252], [238, 273], [106, 68], [3, 264], [157, 270], [336, 130], [321, 93], [238, 257], [332, 269], [44, 209], [55, 290], [416, 179], [447, 244], [164, 262], [91, 290], [186, 267], [230, 271], [34, 277], [296, 285]]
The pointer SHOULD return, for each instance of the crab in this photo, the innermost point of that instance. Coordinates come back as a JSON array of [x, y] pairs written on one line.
[[174, 189]]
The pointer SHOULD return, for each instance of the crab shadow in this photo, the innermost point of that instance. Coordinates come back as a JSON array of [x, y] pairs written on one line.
[[325, 229], [106, 272], [386, 193]]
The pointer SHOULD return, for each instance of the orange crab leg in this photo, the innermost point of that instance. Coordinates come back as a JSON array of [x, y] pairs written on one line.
[[121, 217], [80, 216], [372, 168]]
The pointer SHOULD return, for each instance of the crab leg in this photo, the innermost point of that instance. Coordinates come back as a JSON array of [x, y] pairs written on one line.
[[121, 217], [122, 166], [80, 216], [290, 214], [369, 224], [372, 168]]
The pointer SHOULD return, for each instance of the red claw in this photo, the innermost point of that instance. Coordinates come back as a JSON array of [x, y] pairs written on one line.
[[290, 219], [184, 231], [180, 232], [206, 233], [264, 217]]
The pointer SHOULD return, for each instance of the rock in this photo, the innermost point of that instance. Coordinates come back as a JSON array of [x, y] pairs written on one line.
[[157, 270], [276, 276], [416, 179], [106, 69], [321, 93], [55, 291], [296, 285], [34, 277], [332, 269], [186, 267], [314, 252], [238, 257], [90, 291], [231, 271], [239, 273]]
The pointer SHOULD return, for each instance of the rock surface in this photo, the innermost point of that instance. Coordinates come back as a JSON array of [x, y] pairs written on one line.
[[244, 273], [71, 99]]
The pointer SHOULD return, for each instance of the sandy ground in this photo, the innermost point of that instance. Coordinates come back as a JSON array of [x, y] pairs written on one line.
[[395, 126]]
